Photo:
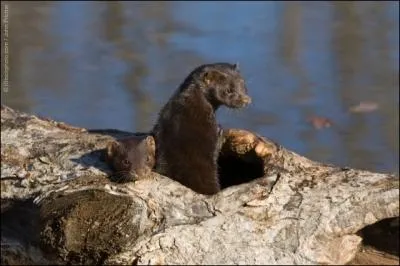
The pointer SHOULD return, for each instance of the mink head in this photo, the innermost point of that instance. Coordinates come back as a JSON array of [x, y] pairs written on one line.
[[131, 158], [222, 84]]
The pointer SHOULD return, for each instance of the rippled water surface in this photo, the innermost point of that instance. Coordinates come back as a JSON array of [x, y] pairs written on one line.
[[114, 64]]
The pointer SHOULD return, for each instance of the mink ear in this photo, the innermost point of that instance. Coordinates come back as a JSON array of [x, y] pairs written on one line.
[[212, 76], [209, 77], [111, 148], [150, 144]]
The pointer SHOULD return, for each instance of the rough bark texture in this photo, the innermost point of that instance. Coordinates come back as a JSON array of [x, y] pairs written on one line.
[[58, 204]]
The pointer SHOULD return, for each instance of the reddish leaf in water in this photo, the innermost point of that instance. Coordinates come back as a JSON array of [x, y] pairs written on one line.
[[319, 122], [364, 107]]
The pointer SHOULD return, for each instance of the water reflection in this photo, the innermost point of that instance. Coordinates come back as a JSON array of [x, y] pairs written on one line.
[[114, 64]]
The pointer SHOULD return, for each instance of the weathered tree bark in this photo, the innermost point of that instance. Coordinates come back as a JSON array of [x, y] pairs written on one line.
[[59, 206]]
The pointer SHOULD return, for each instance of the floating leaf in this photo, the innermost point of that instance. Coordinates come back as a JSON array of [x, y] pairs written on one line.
[[319, 122], [364, 107]]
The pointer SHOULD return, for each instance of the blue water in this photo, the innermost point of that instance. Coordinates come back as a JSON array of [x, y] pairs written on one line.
[[113, 65]]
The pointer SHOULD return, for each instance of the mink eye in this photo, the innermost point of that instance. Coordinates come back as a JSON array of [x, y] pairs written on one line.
[[125, 162]]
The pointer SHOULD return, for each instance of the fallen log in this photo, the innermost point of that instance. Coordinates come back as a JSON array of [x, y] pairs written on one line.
[[59, 205]]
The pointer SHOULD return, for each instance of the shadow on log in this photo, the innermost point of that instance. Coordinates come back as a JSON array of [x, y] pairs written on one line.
[[277, 207]]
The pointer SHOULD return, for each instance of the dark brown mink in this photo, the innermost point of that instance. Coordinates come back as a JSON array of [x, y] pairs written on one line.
[[131, 158], [186, 132]]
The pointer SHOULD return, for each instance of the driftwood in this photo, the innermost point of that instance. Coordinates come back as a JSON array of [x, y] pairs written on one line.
[[59, 206]]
